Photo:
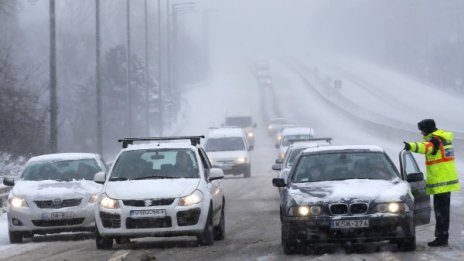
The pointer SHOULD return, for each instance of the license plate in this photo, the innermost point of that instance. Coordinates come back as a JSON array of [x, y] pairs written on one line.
[[349, 223], [57, 215], [148, 213]]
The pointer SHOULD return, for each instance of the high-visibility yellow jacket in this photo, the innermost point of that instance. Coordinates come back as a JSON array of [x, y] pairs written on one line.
[[442, 175]]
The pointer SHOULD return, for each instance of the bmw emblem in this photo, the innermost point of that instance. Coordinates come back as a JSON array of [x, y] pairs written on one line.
[[148, 202], [57, 201]]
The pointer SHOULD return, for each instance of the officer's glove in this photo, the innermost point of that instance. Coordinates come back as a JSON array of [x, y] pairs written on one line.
[[407, 146]]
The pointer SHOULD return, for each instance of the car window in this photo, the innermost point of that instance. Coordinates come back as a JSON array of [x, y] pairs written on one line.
[[153, 163], [225, 144], [343, 165], [293, 155], [61, 170]]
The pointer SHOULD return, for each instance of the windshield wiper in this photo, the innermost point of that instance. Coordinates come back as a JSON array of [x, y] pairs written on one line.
[[118, 178], [155, 177]]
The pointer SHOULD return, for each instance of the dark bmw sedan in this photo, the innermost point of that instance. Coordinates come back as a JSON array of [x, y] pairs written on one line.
[[351, 194]]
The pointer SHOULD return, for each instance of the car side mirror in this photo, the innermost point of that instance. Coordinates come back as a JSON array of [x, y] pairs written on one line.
[[277, 167], [414, 177], [278, 182], [279, 161], [100, 177], [250, 148], [215, 173], [9, 182]]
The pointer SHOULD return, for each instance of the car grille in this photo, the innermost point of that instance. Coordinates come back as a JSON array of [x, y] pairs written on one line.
[[188, 217], [339, 209], [149, 202], [132, 223], [110, 220], [63, 204], [57, 223], [359, 208]]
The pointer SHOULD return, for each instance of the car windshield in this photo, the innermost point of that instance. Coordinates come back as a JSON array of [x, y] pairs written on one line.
[[61, 170], [225, 144], [239, 121], [293, 155], [289, 139], [155, 164], [342, 166]]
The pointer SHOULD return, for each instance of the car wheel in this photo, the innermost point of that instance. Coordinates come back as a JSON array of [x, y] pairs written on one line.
[[15, 237], [288, 246], [103, 242], [220, 229], [206, 238], [122, 240], [407, 244], [247, 173]]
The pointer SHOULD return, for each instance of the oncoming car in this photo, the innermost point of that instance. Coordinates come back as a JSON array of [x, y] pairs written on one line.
[[54, 194], [291, 135], [227, 148], [339, 194], [160, 189]]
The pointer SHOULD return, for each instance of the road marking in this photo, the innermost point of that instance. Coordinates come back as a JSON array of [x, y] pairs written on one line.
[[119, 255]]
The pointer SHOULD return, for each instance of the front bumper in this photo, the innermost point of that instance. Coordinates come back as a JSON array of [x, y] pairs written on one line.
[[177, 221], [318, 230], [49, 221]]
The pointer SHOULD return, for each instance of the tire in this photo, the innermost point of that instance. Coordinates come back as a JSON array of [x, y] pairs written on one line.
[[288, 246], [247, 173], [103, 242], [15, 237], [220, 229], [407, 244], [206, 238]]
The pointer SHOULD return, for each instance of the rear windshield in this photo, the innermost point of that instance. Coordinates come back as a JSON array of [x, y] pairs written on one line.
[[225, 144], [61, 170], [342, 166]]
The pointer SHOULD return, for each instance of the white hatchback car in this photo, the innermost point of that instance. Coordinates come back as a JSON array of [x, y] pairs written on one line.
[[55, 193], [160, 189], [293, 134]]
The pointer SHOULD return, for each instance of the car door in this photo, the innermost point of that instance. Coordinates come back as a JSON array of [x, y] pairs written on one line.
[[421, 200], [213, 186]]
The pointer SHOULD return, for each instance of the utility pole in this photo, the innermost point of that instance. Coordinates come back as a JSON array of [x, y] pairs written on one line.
[[160, 72], [147, 100], [53, 81], [129, 89], [98, 79]]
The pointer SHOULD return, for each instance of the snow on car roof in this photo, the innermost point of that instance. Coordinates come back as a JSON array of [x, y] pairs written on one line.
[[225, 132], [297, 131], [62, 156], [160, 145], [372, 148]]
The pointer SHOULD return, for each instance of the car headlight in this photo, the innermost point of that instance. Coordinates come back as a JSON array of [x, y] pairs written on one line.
[[392, 207], [18, 202], [241, 160], [250, 134], [192, 199], [270, 127], [279, 138], [108, 203], [282, 155], [304, 211], [93, 198]]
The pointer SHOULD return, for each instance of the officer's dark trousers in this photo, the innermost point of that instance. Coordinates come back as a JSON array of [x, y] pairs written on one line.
[[441, 206]]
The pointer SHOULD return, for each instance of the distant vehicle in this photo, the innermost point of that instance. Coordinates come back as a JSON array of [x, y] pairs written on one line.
[[227, 148], [291, 135], [244, 121], [293, 151], [339, 194], [278, 135], [54, 194], [166, 188], [275, 124]]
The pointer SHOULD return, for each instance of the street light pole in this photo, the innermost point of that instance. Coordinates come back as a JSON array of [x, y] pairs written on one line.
[[147, 100], [129, 89], [160, 72], [98, 79], [53, 81]]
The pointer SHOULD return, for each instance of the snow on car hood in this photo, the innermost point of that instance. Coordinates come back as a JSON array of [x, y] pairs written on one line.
[[366, 189], [143, 189], [223, 155], [51, 189]]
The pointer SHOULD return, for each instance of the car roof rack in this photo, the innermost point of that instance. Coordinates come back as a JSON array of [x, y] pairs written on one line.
[[194, 140]]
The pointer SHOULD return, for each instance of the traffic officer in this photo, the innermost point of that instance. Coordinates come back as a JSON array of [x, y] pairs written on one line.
[[442, 176]]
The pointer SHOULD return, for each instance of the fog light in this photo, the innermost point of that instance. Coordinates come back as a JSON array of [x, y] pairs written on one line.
[[16, 222]]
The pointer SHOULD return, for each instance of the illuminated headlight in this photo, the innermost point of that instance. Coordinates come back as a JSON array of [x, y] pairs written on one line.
[[282, 155], [304, 211], [18, 202], [241, 160], [93, 198], [270, 127], [279, 138], [250, 134], [108, 203], [392, 207], [192, 199]]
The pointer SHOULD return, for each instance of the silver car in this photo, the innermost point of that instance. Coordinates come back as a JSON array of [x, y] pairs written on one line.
[[55, 193]]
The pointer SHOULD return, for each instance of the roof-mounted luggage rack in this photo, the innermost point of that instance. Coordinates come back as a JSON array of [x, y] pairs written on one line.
[[328, 139], [194, 140]]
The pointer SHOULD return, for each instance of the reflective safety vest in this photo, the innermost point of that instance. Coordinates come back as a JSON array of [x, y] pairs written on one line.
[[442, 175]]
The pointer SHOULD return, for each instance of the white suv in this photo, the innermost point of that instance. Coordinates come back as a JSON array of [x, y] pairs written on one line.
[[160, 189]]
